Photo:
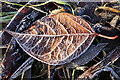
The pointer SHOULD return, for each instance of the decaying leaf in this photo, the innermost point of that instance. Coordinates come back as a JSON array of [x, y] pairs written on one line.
[[114, 21], [91, 53], [56, 39], [102, 65]]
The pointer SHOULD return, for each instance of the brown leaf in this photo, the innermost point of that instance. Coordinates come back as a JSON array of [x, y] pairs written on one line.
[[56, 39]]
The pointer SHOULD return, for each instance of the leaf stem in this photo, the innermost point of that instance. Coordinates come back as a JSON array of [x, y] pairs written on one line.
[[106, 36]]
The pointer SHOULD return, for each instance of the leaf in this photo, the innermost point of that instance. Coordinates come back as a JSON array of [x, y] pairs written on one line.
[[91, 53], [114, 21], [56, 1], [103, 65], [56, 39]]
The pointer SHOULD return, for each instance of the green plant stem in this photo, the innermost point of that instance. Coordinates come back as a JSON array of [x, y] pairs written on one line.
[[73, 74], [7, 13]]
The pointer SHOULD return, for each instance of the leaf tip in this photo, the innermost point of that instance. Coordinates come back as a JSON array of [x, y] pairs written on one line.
[[9, 32]]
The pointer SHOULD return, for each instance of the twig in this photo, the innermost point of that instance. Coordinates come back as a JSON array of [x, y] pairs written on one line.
[[48, 71], [21, 68]]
